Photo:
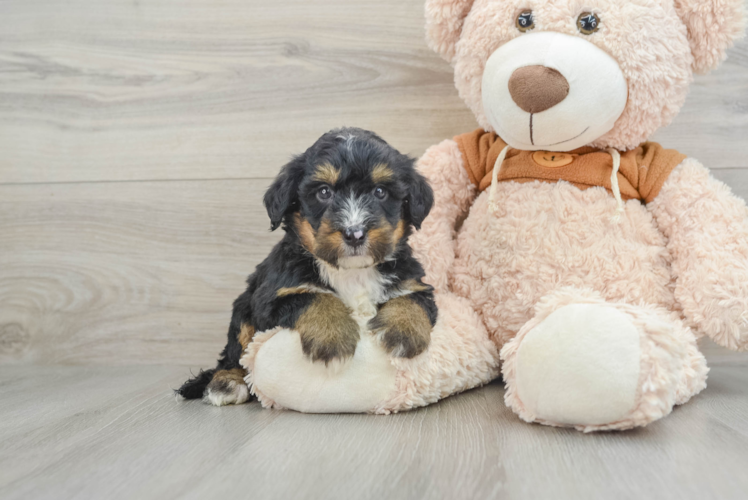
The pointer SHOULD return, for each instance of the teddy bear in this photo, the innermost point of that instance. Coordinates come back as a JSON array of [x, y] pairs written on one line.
[[594, 258], [567, 252]]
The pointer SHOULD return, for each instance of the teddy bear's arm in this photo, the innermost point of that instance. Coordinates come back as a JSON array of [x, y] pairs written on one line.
[[707, 229], [434, 246]]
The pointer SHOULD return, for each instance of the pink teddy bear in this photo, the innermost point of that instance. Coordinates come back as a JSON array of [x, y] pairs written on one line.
[[594, 259]]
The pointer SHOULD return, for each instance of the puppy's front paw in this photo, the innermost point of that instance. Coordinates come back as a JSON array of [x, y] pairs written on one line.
[[227, 388], [327, 346], [404, 327], [327, 330]]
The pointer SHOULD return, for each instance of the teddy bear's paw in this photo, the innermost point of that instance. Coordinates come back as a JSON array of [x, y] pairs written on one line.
[[579, 366], [227, 388]]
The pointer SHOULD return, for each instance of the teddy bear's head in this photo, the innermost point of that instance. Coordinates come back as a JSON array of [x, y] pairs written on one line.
[[561, 74]]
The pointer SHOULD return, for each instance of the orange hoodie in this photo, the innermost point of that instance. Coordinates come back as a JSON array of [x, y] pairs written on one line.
[[642, 173]]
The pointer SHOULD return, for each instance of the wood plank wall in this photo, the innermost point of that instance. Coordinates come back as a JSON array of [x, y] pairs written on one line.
[[136, 139]]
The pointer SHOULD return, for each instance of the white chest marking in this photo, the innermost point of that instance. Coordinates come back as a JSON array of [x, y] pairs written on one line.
[[360, 288]]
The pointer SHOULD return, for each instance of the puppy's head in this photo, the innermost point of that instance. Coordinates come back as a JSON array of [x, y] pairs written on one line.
[[351, 198]]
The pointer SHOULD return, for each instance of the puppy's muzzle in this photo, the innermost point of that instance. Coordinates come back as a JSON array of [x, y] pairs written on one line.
[[354, 236]]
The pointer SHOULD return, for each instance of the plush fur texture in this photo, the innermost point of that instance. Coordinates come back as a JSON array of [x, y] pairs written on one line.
[[651, 40], [545, 237], [712, 26], [434, 244], [460, 356], [675, 268], [708, 238]]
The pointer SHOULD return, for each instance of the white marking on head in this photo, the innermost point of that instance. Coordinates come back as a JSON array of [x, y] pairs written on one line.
[[348, 140], [354, 213]]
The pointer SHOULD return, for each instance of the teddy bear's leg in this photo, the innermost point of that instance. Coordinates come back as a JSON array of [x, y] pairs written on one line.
[[460, 356], [585, 363]]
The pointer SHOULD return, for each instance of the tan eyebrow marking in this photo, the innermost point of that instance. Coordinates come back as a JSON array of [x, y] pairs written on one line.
[[381, 173], [327, 173]]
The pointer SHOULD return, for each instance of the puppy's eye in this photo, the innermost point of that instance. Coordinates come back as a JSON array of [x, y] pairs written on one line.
[[588, 23], [525, 21], [380, 192], [324, 193]]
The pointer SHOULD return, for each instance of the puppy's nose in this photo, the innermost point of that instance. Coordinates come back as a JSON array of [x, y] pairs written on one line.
[[537, 88], [354, 236]]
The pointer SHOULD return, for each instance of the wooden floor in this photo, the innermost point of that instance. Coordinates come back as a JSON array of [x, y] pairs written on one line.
[[91, 432], [136, 139]]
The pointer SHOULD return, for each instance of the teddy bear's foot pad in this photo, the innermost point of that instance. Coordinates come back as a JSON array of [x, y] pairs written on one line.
[[580, 366], [288, 379]]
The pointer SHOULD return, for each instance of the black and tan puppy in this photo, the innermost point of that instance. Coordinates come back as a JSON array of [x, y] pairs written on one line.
[[347, 206]]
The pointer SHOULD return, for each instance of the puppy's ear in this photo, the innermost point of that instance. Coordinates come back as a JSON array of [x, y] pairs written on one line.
[[283, 194], [419, 201]]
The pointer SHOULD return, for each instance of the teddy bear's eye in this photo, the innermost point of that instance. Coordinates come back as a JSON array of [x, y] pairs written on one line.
[[588, 23], [525, 21]]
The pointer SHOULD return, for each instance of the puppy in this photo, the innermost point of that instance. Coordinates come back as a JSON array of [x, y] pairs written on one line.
[[347, 206]]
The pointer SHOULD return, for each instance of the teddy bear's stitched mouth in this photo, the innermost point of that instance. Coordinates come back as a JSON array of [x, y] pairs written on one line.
[[532, 141]]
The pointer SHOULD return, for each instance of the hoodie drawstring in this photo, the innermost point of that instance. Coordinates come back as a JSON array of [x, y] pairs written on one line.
[[492, 205], [495, 179], [614, 183]]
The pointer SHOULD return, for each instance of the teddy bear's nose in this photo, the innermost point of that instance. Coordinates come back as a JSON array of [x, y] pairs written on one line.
[[537, 88]]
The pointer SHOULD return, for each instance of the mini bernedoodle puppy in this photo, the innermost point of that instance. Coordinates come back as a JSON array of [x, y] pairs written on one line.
[[347, 206]]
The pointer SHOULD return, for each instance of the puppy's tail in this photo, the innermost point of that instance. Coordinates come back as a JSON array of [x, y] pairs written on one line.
[[195, 387]]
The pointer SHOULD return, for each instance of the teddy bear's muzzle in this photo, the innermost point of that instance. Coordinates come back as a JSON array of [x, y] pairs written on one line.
[[552, 91]]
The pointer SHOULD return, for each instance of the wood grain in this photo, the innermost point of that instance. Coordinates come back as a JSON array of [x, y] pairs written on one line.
[[137, 138], [87, 432], [194, 89], [713, 124], [125, 272], [143, 90]]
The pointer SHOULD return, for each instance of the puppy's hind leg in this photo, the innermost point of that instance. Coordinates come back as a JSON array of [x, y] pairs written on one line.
[[224, 385], [194, 388], [227, 388], [217, 387]]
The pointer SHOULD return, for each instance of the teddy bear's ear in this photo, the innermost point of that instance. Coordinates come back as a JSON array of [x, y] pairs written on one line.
[[444, 20], [713, 26]]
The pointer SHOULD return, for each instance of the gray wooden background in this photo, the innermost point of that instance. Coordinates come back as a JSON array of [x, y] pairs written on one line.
[[136, 139]]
